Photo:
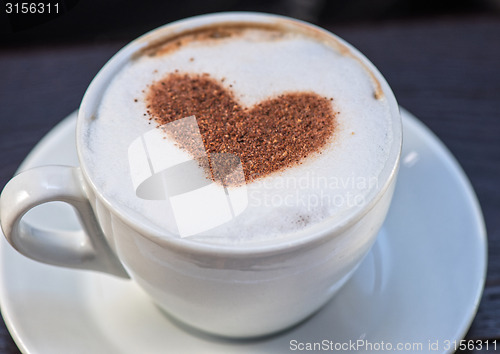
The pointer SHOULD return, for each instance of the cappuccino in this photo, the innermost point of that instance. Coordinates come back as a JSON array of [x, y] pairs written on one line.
[[300, 123]]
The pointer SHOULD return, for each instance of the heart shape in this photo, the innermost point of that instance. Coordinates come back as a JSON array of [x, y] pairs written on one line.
[[273, 135]]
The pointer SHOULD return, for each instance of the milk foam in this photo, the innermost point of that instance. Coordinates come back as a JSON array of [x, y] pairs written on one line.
[[255, 66]]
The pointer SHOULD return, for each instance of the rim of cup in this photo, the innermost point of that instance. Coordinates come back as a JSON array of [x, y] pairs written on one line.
[[318, 232]]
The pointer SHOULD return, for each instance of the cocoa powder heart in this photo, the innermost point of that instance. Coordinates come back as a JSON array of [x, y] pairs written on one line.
[[272, 135]]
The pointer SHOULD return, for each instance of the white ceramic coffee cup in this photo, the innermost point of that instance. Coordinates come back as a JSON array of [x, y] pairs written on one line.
[[227, 291]]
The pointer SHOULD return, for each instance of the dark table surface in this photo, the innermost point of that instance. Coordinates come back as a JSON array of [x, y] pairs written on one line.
[[445, 70]]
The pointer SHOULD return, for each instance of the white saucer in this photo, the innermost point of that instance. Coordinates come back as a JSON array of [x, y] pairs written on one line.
[[421, 283]]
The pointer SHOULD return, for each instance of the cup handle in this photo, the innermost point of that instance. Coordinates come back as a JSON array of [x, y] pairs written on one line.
[[82, 250]]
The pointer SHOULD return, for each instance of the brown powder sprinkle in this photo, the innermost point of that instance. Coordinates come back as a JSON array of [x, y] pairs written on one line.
[[273, 135]]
